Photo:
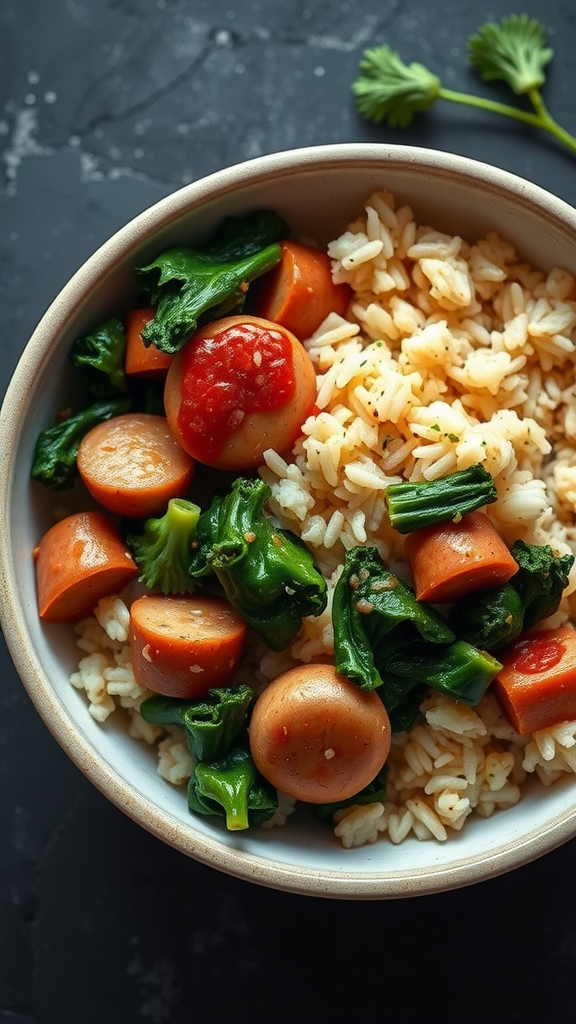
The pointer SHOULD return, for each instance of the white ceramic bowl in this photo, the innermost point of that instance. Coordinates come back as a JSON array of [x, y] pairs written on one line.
[[317, 191]]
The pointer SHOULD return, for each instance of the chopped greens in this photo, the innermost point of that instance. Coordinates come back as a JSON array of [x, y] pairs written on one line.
[[540, 580], [188, 286], [100, 355], [414, 506], [267, 573], [374, 611], [211, 724], [99, 358], [224, 779], [496, 618], [384, 638], [56, 451]]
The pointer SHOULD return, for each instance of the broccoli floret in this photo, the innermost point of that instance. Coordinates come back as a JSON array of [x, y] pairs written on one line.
[[233, 788], [414, 506], [163, 551], [56, 451], [188, 285]]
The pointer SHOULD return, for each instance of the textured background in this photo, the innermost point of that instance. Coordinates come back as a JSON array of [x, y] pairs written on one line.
[[105, 107]]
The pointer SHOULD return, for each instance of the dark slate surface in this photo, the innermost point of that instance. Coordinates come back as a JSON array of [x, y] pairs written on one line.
[[106, 106]]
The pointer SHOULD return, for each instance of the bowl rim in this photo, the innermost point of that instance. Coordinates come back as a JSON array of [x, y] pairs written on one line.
[[207, 850]]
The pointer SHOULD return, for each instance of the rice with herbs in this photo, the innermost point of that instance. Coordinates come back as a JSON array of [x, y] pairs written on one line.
[[452, 354]]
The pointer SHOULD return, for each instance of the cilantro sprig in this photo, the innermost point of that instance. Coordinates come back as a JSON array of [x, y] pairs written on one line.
[[513, 50]]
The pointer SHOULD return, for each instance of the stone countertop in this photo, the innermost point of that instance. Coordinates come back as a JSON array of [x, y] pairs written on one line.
[[106, 106]]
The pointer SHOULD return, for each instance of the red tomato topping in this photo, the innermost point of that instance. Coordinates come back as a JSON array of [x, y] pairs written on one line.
[[242, 369], [538, 655]]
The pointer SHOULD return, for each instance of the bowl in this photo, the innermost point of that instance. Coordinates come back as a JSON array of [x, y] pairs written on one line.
[[318, 191]]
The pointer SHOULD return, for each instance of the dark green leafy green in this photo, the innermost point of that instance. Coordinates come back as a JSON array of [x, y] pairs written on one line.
[[458, 670], [268, 574], [374, 611], [490, 619], [212, 724], [100, 356], [495, 618], [540, 580], [387, 640], [193, 286], [56, 449], [414, 506]]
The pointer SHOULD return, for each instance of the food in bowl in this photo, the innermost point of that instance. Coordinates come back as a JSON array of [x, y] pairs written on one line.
[[449, 356]]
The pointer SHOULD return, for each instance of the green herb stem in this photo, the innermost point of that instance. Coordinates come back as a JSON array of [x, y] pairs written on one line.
[[540, 118]]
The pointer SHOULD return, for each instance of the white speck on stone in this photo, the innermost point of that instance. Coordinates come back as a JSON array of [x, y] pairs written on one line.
[[50, 97], [33, 77], [23, 143], [223, 37], [30, 99], [159, 992]]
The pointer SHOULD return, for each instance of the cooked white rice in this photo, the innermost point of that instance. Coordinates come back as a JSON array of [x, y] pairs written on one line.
[[452, 354]]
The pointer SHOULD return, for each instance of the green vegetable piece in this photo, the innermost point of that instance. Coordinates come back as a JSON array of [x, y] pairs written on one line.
[[374, 611], [414, 506], [100, 355], [207, 534], [233, 788], [402, 698], [56, 450], [212, 725], [513, 51], [540, 580], [186, 284], [163, 551], [490, 619], [373, 793], [268, 574], [389, 90], [459, 670]]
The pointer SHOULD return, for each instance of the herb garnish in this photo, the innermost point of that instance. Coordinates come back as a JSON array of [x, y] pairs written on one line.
[[513, 50]]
